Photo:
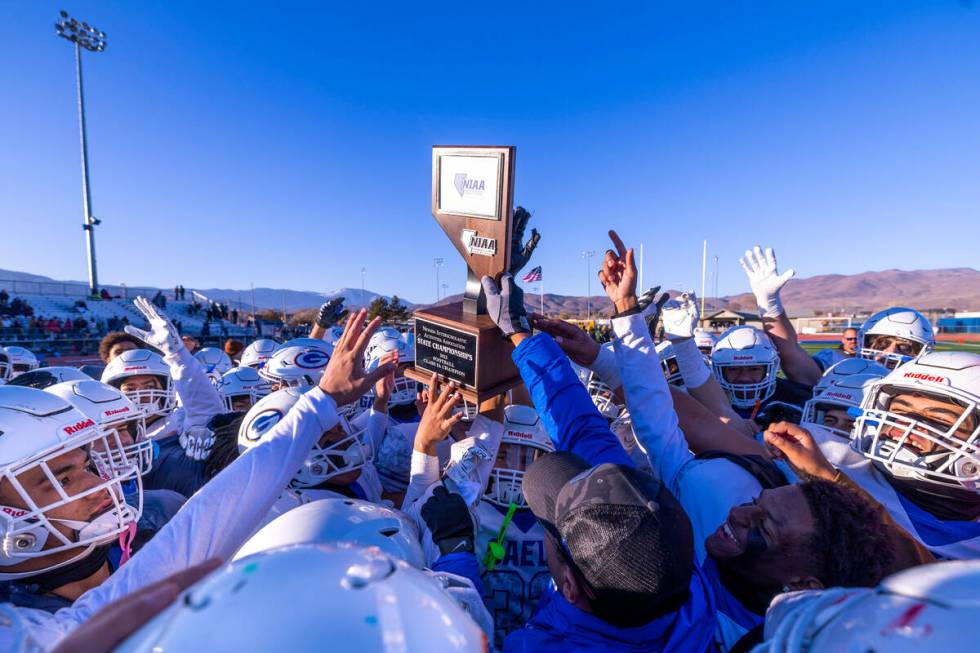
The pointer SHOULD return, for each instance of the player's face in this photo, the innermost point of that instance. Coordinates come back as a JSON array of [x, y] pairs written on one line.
[[516, 457], [893, 345], [744, 374], [849, 340], [938, 412], [764, 541], [75, 473], [331, 437], [241, 403], [120, 347], [837, 418]]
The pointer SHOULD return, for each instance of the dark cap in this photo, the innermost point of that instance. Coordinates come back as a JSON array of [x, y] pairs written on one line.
[[626, 534]]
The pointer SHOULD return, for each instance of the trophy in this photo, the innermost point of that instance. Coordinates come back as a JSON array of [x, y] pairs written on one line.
[[472, 200]]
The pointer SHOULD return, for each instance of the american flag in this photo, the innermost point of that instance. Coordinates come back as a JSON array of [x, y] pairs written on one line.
[[533, 275]]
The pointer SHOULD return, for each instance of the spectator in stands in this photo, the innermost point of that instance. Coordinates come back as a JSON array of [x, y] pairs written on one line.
[[80, 305], [234, 349], [159, 300], [80, 324], [67, 326], [234, 316], [4, 297], [177, 293], [104, 294], [191, 343], [54, 327], [206, 327], [116, 343]]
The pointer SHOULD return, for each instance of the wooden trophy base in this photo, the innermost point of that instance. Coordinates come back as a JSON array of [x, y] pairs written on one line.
[[465, 348]]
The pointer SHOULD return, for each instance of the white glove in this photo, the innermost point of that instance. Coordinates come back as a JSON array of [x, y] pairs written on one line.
[[197, 442], [162, 334], [680, 316], [765, 280]]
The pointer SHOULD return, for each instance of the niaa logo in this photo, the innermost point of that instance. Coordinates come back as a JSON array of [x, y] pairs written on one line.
[[465, 185], [262, 423], [312, 359]]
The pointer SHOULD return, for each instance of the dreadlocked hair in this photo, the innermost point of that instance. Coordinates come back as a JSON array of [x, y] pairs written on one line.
[[224, 451], [851, 545]]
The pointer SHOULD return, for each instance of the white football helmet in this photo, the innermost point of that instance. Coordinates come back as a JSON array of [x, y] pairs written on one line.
[[328, 521], [5, 369], [242, 382], [524, 441], [113, 411], [377, 603], [847, 368], [922, 421], [927, 608], [384, 341], [215, 363], [668, 361], [143, 362], [257, 353], [296, 366], [316, 343], [704, 340], [745, 346], [44, 377], [349, 453], [38, 430], [333, 334], [894, 336], [839, 393], [21, 360]]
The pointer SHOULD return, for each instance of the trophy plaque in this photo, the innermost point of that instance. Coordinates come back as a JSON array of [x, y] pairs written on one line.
[[472, 200]]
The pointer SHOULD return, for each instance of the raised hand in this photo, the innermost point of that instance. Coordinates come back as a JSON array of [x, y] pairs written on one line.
[[506, 305], [439, 416], [618, 275], [386, 384], [520, 255], [765, 280], [680, 316], [449, 521], [344, 379], [795, 445], [162, 334], [576, 344], [331, 313]]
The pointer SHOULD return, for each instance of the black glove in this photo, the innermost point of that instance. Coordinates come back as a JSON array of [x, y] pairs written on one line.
[[506, 305], [521, 254], [331, 313], [644, 301], [448, 518]]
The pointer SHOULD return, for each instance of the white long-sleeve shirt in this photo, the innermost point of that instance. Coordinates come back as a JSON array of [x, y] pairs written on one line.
[[213, 523], [708, 489]]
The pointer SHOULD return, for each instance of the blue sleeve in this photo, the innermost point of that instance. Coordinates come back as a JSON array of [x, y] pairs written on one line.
[[567, 412], [463, 564]]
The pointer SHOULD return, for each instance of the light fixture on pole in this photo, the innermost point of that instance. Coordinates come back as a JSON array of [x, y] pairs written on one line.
[[84, 36], [438, 263], [588, 275]]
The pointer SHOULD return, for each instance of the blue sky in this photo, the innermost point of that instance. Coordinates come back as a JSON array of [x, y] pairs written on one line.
[[288, 146]]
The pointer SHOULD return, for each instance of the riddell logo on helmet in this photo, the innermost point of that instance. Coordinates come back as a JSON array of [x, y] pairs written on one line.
[[839, 395], [116, 411], [925, 377], [134, 367], [519, 434], [78, 426], [13, 512], [742, 358]]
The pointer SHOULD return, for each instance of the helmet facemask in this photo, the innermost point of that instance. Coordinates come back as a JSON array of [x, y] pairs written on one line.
[[888, 350], [513, 458], [152, 401], [333, 457], [138, 452], [51, 480], [746, 395], [927, 436], [604, 399]]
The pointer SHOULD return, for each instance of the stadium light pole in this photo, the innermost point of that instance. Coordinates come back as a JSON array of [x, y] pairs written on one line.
[[588, 281], [93, 40], [363, 272], [438, 263]]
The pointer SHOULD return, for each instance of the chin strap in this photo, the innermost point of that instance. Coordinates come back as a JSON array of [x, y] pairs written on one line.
[[126, 543]]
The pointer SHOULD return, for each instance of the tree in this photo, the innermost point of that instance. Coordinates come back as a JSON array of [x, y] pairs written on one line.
[[379, 308], [397, 312]]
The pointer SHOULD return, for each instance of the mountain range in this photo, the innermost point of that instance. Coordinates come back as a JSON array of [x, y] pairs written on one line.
[[951, 288]]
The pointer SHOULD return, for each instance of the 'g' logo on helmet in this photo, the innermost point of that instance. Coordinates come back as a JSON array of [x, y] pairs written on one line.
[[262, 423], [312, 359]]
